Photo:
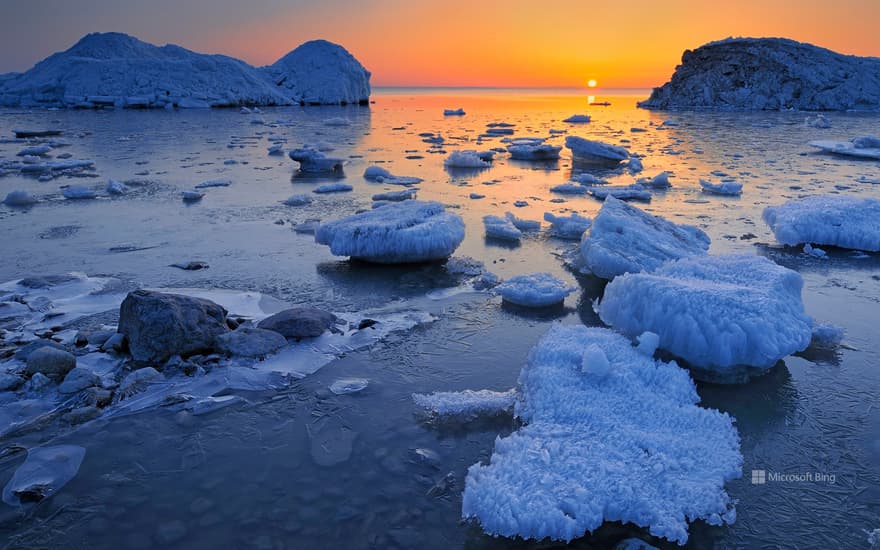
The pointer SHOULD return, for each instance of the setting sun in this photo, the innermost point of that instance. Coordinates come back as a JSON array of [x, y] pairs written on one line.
[[591, 83]]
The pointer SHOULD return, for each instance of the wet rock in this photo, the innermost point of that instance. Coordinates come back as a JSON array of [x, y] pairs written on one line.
[[299, 322], [190, 266], [24, 352], [94, 338], [250, 342], [79, 379], [366, 323], [159, 325], [10, 381], [37, 383], [82, 414], [136, 382], [98, 397], [116, 343], [50, 361]]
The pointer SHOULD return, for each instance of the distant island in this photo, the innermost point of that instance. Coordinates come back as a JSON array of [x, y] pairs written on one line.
[[118, 70], [754, 74]]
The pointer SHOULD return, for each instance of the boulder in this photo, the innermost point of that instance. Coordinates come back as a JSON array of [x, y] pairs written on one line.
[[769, 74], [299, 322], [158, 325], [79, 379], [51, 362], [250, 342]]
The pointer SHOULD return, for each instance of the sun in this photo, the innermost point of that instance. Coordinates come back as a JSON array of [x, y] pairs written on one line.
[[592, 83]]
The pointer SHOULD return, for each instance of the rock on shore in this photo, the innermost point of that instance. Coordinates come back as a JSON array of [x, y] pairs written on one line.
[[754, 74]]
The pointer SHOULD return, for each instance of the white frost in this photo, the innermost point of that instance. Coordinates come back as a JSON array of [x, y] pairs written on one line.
[[835, 220]]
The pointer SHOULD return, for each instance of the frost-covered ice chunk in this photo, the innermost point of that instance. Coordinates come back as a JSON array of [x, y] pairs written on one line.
[[343, 386], [213, 183], [465, 159], [631, 446], [648, 343], [819, 121], [315, 162], [867, 147], [716, 312], [501, 228], [395, 196], [115, 187], [634, 192], [634, 165], [78, 192], [453, 112], [45, 471], [588, 179], [595, 362], [586, 150], [826, 335], [466, 405], [277, 149], [534, 290], [381, 175], [409, 231], [298, 200], [35, 150], [567, 227], [19, 198], [534, 152], [815, 252], [577, 119], [834, 220], [336, 187], [522, 224], [569, 189], [726, 187], [660, 181], [625, 239]]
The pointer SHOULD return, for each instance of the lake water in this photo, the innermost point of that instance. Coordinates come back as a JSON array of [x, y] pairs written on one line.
[[256, 475]]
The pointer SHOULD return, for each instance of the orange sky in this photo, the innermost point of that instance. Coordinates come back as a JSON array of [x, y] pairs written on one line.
[[461, 42]]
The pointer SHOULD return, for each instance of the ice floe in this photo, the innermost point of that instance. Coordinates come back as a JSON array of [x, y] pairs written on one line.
[[633, 192], [465, 405], [625, 239], [622, 443], [381, 175], [727, 316], [501, 228], [577, 119], [534, 290], [534, 152], [314, 161], [453, 112], [567, 227], [866, 147], [19, 198], [409, 231], [725, 187], [466, 159], [835, 220], [589, 151], [335, 187]]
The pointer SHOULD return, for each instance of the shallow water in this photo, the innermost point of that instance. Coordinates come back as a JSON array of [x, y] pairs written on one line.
[[303, 467]]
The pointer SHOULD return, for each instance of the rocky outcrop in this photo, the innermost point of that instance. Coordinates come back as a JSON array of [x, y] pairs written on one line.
[[118, 70], [159, 325], [769, 74]]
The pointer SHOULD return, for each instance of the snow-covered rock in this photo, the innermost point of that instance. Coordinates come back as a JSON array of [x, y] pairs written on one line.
[[625, 444], [719, 313], [835, 220], [117, 70], [725, 187], [404, 232], [586, 150], [321, 72], [465, 405], [625, 239], [501, 228], [567, 227], [534, 290], [312, 161], [769, 74]]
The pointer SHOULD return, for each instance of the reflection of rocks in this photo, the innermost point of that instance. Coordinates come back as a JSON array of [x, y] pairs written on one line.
[[299, 322], [52, 362], [159, 325]]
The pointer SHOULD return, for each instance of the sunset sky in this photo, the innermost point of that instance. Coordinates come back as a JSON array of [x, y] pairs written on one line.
[[451, 43]]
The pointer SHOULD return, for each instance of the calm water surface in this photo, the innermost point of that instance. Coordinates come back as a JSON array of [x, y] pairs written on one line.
[[257, 475]]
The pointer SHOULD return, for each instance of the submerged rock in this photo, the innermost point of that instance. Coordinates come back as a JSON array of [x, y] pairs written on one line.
[[250, 342], [299, 322], [45, 471], [159, 325], [769, 74]]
